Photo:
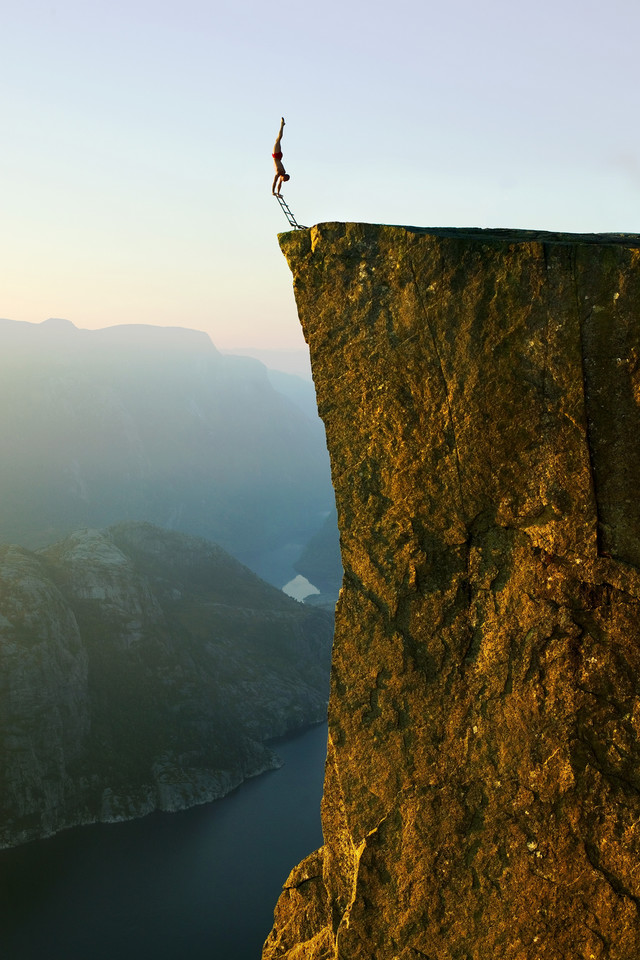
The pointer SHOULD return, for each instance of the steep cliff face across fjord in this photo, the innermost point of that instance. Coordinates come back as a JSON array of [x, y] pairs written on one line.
[[481, 397], [143, 669]]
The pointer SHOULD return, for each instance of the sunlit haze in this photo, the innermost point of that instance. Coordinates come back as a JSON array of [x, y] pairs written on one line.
[[137, 136]]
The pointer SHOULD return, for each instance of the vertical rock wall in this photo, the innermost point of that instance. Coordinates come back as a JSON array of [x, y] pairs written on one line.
[[481, 397]]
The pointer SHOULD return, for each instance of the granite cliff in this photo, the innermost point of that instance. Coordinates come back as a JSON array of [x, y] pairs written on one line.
[[481, 397], [143, 669]]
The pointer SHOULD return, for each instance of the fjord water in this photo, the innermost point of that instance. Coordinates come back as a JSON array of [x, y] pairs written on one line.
[[196, 885]]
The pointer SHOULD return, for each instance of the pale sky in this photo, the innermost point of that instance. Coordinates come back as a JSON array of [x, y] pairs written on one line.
[[136, 165]]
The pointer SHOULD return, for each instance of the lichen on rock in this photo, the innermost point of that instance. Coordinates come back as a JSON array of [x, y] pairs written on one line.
[[481, 397]]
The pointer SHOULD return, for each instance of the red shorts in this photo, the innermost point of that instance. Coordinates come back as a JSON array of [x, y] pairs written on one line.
[[277, 156]]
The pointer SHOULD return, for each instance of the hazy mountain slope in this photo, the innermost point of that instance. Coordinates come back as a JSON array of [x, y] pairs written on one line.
[[301, 392], [320, 562], [152, 423], [142, 669]]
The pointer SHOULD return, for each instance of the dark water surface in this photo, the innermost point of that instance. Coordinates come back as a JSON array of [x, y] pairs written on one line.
[[185, 886]]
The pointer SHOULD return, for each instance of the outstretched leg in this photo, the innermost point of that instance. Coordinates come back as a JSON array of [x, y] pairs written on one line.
[[276, 147]]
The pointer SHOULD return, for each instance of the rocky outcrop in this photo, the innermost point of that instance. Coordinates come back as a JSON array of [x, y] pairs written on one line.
[[141, 670], [481, 397]]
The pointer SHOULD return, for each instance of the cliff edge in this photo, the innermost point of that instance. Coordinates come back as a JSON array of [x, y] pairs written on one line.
[[481, 397]]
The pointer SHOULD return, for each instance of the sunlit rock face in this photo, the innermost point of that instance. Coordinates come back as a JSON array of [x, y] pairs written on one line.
[[143, 669], [481, 397]]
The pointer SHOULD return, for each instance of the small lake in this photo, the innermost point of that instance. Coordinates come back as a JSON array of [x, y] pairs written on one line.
[[195, 885]]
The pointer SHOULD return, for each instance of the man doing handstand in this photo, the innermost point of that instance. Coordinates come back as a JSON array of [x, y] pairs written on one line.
[[281, 174]]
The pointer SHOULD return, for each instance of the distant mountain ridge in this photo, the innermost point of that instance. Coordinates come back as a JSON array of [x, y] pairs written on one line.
[[296, 362], [143, 669], [145, 423]]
